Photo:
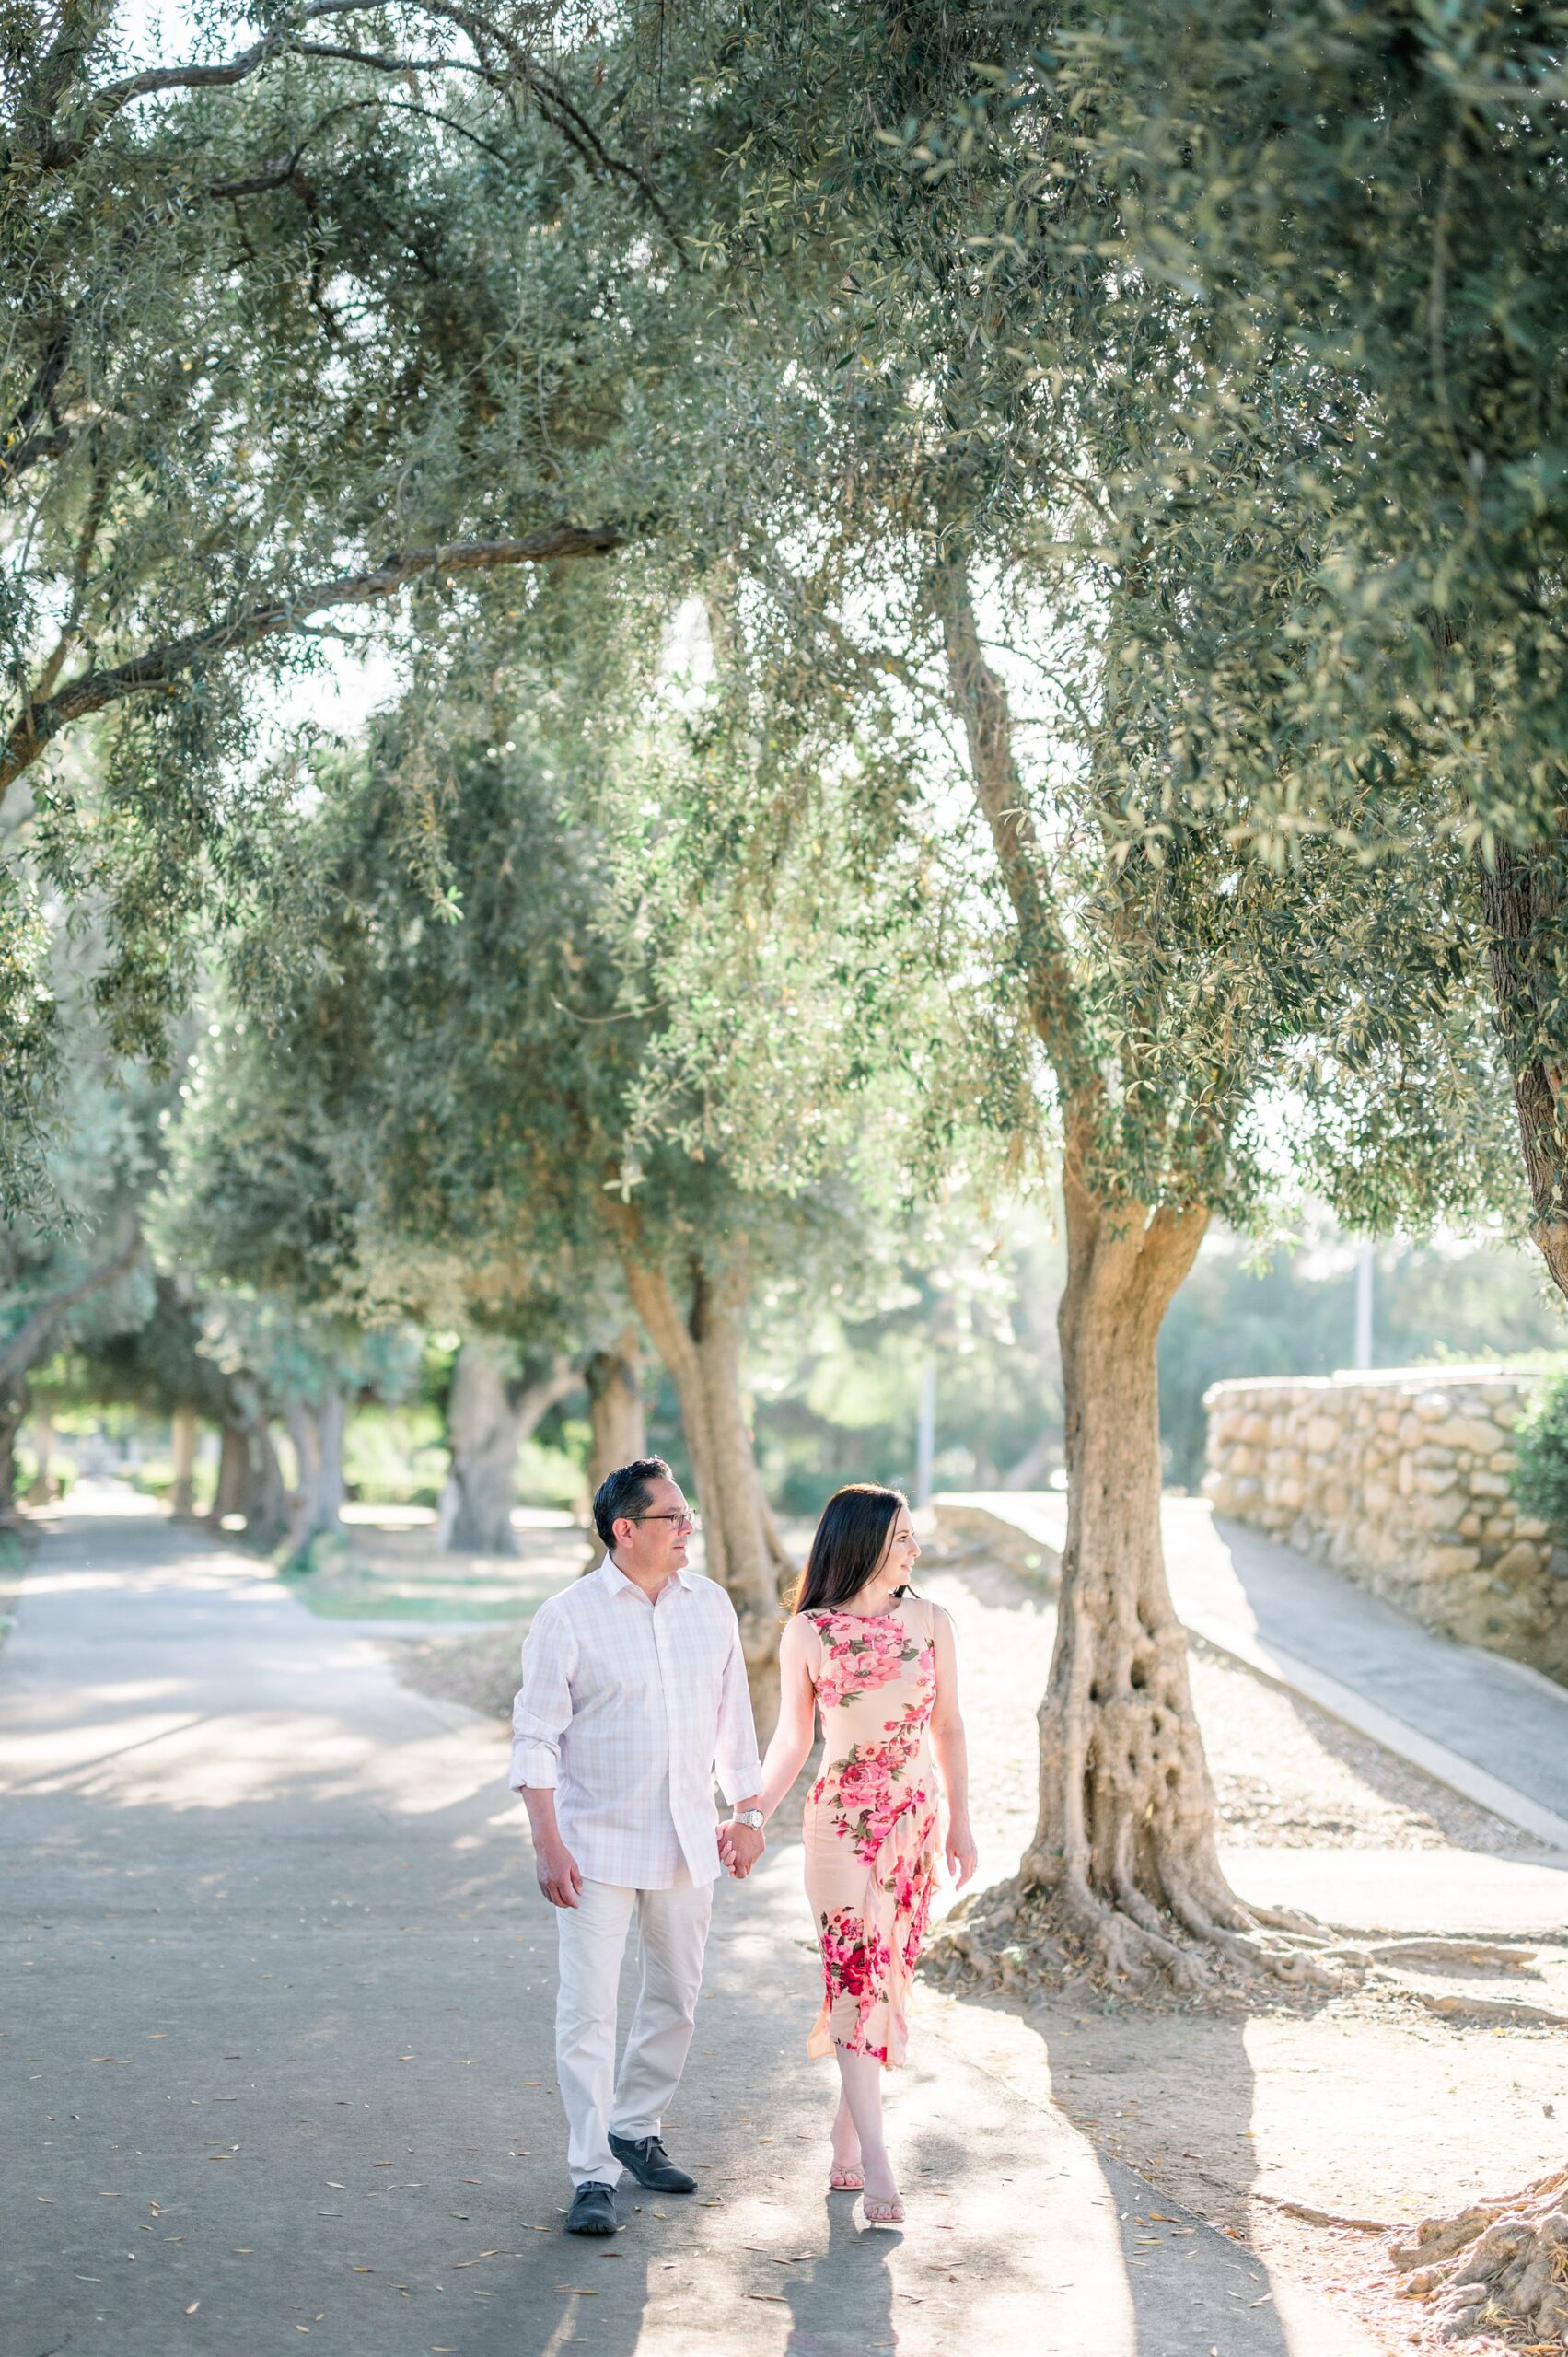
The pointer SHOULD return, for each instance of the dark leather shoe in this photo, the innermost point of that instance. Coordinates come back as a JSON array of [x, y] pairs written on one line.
[[593, 2210], [651, 2164]]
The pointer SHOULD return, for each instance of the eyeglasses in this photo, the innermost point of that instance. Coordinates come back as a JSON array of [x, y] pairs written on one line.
[[683, 1522]]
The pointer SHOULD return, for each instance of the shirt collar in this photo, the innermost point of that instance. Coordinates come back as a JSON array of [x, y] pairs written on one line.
[[614, 1581]]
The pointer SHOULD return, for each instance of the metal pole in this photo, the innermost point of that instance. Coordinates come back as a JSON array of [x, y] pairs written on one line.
[[1364, 1274], [925, 1436]]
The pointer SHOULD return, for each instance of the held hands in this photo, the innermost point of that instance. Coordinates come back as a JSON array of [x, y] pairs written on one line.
[[740, 1846], [962, 1856], [558, 1876]]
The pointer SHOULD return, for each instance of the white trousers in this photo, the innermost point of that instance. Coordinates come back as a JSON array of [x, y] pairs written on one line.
[[672, 1932]]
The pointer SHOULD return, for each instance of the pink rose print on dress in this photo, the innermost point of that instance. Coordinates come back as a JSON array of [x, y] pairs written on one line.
[[871, 1825], [855, 1958], [859, 1655]]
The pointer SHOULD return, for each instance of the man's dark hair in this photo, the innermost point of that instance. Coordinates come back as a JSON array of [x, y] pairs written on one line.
[[625, 1492]]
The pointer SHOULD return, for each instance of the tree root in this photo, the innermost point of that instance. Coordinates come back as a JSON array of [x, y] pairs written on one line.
[[1442, 1954], [1323, 2217], [1464, 2008], [1500, 2267], [1018, 1936]]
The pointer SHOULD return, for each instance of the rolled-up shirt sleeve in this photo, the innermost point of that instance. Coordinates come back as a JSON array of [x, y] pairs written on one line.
[[542, 1708], [737, 1762]]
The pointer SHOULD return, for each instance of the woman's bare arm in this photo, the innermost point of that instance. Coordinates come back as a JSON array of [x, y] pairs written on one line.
[[952, 1752], [791, 1747]]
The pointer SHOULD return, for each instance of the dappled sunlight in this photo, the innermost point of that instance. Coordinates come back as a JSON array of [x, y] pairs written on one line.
[[100, 1496], [262, 1757], [1012, 2240], [73, 1582], [68, 1754]]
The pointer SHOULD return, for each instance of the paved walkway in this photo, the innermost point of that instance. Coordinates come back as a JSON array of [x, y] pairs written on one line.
[[282, 2065], [1334, 1643]]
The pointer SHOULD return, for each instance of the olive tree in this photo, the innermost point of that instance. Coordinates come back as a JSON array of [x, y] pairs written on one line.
[[1007, 522], [466, 1064], [1377, 196]]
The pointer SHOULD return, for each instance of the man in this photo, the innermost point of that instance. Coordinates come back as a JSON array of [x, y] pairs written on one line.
[[633, 1695]]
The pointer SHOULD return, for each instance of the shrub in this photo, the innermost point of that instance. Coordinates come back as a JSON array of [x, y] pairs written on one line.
[[1540, 1478]]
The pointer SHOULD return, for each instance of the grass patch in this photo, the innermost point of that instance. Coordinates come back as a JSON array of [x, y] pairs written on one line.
[[376, 1604], [388, 1572]]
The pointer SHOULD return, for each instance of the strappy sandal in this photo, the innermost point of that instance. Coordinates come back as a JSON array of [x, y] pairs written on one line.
[[846, 2179], [882, 2213]]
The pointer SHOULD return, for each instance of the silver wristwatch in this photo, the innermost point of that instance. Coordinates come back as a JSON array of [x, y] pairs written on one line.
[[752, 1816]]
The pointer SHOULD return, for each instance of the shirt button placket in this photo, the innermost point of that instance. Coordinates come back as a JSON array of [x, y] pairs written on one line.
[[660, 1624]]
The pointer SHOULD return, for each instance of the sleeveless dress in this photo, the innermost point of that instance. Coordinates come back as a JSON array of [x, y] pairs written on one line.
[[871, 1824]]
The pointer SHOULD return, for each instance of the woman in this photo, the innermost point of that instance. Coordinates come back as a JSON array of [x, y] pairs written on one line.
[[879, 1665]]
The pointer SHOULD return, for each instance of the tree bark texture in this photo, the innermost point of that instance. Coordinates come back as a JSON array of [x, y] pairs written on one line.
[[249, 1477], [262, 1501], [315, 1428], [701, 1345], [616, 1411], [33, 1337], [12, 1408], [483, 1435], [234, 1473], [40, 1489], [1126, 1836], [159, 667], [182, 1441], [1499, 2267], [490, 1414], [1522, 903]]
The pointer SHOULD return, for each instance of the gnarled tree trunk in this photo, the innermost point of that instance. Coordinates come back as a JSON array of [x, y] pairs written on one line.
[[492, 1411], [1521, 896], [1125, 1839], [701, 1345], [1500, 2267], [475, 1512], [13, 1409], [40, 1489], [252, 1468], [315, 1428], [234, 1473], [182, 1439], [616, 1412], [262, 1501]]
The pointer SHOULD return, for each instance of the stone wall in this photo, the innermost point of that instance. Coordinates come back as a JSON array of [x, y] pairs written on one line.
[[1400, 1481]]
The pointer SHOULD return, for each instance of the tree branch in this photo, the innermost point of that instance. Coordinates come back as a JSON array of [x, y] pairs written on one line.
[[26, 1345], [162, 667], [980, 699], [17, 454], [54, 154]]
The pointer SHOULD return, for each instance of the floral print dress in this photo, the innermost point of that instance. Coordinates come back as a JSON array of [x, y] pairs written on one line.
[[871, 1823]]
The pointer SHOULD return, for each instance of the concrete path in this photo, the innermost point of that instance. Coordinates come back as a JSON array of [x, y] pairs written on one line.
[[1446, 1706], [278, 2055]]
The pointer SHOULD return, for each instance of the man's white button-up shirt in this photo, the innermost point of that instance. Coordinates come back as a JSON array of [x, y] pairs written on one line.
[[629, 1708]]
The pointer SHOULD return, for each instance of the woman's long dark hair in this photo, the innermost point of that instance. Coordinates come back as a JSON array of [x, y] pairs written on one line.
[[849, 1543]]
